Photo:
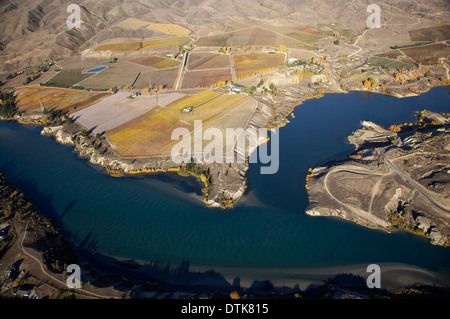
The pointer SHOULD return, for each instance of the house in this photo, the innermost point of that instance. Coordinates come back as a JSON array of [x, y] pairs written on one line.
[[292, 61], [26, 291], [235, 89], [4, 230], [188, 109]]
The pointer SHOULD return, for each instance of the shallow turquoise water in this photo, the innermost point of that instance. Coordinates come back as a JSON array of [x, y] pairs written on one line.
[[156, 218]]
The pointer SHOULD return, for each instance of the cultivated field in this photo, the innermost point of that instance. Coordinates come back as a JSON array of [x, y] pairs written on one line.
[[194, 79], [251, 37], [195, 100], [118, 109], [427, 54], [389, 63], [124, 46], [201, 61], [120, 74], [165, 77], [430, 34], [167, 28], [150, 133], [66, 100], [136, 24], [68, 77], [155, 62], [130, 24], [310, 36], [254, 63], [138, 45], [165, 43]]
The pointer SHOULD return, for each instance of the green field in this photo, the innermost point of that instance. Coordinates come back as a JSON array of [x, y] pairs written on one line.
[[67, 77], [389, 63], [306, 36]]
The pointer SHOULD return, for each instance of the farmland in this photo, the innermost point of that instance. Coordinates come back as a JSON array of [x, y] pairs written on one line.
[[389, 63], [136, 24], [130, 24], [195, 100], [207, 78], [166, 28], [66, 100], [155, 62], [307, 37], [138, 45], [201, 61], [120, 74], [255, 63], [427, 54], [165, 43], [430, 34], [165, 77], [67, 77], [150, 133], [251, 37], [118, 109], [124, 46]]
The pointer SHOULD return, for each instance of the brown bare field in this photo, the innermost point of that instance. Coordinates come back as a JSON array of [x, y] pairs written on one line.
[[427, 54], [150, 133], [251, 37], [66, 100], [155, 62], [194, 79], [201, 61], [253, 63], [430, 34], [164, 77], [391, 54]]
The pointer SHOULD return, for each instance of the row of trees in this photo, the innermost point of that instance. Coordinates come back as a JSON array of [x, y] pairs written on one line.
[[8, 104]]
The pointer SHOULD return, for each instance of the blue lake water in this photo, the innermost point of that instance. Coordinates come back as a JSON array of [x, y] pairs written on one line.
[[158, 218], [98, 69]]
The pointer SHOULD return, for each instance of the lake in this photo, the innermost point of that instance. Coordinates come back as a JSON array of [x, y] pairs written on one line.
[[162, 219]]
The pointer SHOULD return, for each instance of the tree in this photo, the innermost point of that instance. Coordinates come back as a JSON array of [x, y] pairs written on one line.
[[261, 83]]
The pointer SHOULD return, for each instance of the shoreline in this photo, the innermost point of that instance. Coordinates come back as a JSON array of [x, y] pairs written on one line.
[[281, 281]]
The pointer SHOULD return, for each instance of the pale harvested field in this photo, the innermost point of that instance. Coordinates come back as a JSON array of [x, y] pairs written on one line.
[[118, 109], [150, 133]]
